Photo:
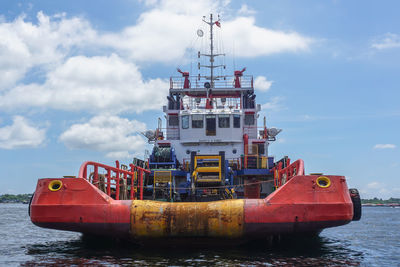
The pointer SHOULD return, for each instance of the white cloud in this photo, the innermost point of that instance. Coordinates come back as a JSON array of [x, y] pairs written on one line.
[[21, 134], [117, 137], [96, 84], [389, 40], [110, 80], [274, 105], [246, 10], [252, 41], [281, 140], [162, 33], [170, 25], [24, 45], [262, 84], [374, 185], [384, 146], [149, 2], [379, 189]]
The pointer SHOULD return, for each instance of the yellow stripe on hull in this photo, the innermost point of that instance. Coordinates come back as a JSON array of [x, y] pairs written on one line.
[[191, 219]]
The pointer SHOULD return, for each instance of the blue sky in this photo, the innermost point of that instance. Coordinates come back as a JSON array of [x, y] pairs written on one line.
[[80, 79]]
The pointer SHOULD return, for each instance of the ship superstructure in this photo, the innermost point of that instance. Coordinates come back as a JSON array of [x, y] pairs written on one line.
[[212, 118]]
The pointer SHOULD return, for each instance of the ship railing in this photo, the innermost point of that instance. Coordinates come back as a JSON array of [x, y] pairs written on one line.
[[283, 175], [253, 159], [178, 82], [254, 162], [172, 133], [251, 131], [257, 132], [119, 182], [191, 103]]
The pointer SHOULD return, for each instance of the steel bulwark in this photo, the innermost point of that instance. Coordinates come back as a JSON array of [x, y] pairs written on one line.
[[299, 206]]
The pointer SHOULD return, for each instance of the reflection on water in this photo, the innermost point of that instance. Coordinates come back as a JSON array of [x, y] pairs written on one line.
[[356, 244], [304, 252]]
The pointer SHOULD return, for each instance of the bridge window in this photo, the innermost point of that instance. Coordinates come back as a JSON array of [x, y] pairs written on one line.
[[185, 122], [197, 121], [211, 125], [249, 119], [173, 120], [223, 121], [236, 121]]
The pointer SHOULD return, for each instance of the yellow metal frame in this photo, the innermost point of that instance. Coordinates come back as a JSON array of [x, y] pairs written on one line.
[[261, 161], [207, 169], [163, 179]]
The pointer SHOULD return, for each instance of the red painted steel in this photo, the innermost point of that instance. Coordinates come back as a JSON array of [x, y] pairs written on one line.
[[185, 74], [294, 169], [79, 206], [141, 185], [301, 200], [238, 74], [118, 172], [245, 144], [251, 188], [300, 205]]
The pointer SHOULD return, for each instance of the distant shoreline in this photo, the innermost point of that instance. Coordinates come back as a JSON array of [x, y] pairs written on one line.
[[375, 202], [20, 198], [381, 205]]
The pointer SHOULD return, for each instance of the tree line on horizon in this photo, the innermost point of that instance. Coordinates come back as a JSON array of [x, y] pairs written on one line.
[[376, 200], [10, 198]]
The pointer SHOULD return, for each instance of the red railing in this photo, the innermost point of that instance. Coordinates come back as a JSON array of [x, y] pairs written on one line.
[[113, 177], [178, 82], [283, 175]]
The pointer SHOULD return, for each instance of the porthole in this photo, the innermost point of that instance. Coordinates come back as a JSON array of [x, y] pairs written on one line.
[[234, 151]]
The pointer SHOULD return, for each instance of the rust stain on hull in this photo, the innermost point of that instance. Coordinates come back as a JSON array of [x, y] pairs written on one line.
[[194, 219]]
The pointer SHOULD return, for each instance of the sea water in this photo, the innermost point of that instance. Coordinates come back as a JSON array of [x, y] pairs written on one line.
[[373, 241]]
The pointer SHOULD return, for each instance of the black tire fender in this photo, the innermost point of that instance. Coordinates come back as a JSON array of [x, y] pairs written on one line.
[[29, 206], [355, 198]]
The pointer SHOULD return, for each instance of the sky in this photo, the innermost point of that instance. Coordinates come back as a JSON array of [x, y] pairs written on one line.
[[79, 80]]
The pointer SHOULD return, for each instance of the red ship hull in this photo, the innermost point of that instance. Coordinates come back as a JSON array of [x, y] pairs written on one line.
[[299, 206]]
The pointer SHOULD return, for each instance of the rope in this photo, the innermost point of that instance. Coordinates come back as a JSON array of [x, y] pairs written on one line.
[[215, 187]]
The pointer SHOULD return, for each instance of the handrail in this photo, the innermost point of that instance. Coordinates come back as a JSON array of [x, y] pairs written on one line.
[[258, 165], [133, 173], [283, 175], [178, 82]]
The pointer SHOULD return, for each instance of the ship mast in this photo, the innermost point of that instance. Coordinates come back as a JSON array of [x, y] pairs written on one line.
[[212, 78]]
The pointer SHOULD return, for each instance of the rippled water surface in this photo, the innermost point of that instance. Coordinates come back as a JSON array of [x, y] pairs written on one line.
[[373, 241]]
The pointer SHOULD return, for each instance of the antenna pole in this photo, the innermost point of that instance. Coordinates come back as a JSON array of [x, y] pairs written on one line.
[[211, 50], [212, 78], [211, 55]]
